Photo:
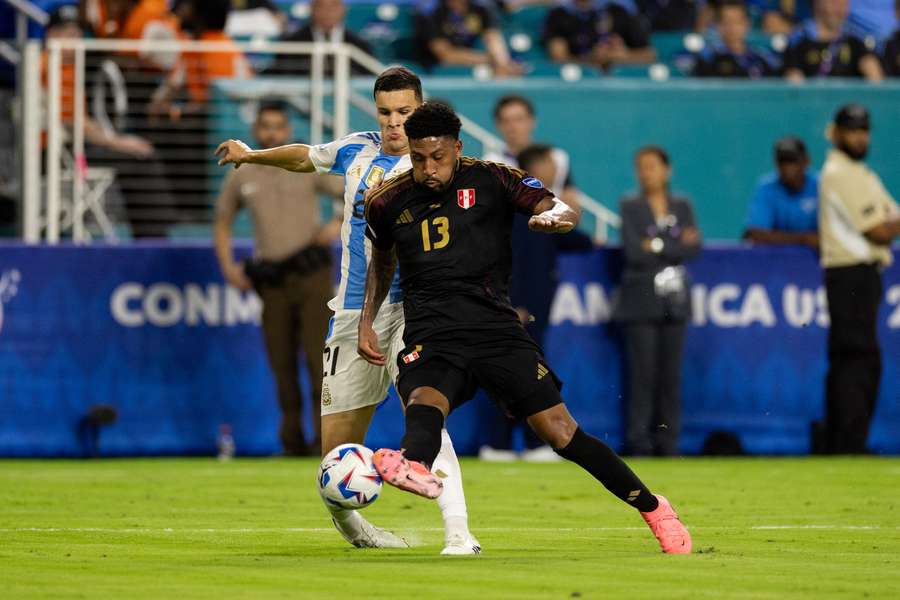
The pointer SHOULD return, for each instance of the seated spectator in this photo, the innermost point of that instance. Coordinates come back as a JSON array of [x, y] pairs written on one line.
[[179, 109], [784, 207], [326, 24], [822, 47], [890, 56], [733, 57], [672, 15], [128, 19], [451, 32], [781, 16], [135, 20], [202, 20], [139, 175], [602, 34], [514, 119]]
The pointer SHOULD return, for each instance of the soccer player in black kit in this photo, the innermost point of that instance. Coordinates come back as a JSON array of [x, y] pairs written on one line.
[[448, 222]]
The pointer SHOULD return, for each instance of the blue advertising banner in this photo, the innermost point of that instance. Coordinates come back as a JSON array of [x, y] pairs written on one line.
[[153, 331]]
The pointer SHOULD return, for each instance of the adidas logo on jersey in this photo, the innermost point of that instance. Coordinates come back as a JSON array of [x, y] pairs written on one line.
[[404, 218], [542, 371]]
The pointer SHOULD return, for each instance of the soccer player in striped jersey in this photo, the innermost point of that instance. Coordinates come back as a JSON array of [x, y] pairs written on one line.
[[351, 387]]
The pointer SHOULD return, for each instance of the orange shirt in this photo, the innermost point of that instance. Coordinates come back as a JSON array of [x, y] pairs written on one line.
[[66, 88], [133, 24], [202, 67], [142, 14]]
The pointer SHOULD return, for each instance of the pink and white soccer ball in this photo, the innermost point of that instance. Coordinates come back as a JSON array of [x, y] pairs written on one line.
[[347, 477]]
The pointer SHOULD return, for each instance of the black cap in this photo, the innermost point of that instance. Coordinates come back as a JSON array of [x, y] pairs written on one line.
[[64, 15], [790, 149], [852, 116]]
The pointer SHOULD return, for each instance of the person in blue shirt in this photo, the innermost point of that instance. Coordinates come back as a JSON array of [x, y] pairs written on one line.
[[784, 206]]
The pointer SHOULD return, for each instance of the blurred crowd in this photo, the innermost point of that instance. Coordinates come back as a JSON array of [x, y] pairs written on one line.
[[757, 38]]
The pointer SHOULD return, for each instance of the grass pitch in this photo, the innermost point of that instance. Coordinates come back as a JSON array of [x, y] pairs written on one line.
[[194, 528]]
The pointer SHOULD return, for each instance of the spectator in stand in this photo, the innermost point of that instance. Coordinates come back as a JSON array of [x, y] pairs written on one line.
[[532, 286], [179, 109], [140, 176], [135, 20], [450, 31], [732, 57], [659, 233], [672, 15], [601, 34], [291, 270], [514, 118], [890, 55], [784, 207], [822, 47], [129, 19], [326, 23], [781, 16]]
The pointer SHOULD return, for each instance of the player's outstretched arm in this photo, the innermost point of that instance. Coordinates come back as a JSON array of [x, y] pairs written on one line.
[[378, 282], [552, 215], [292, 157]]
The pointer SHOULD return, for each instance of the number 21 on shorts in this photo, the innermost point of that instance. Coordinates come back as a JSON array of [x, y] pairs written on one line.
[[331, 356]]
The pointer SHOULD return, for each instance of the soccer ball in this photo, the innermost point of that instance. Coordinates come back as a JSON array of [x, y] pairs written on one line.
[[347, 477]]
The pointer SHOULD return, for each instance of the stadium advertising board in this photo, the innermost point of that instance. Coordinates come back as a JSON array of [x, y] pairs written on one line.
[[153, 331]]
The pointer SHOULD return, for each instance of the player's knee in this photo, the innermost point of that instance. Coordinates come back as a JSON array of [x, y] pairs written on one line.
[[556, 430], [425, 396]]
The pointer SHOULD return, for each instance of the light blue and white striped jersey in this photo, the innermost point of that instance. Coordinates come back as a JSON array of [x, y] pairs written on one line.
[[360, 159]]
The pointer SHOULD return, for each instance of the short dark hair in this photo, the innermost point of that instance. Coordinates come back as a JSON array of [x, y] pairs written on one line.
[[533, 154], [273, 105], [505, 101], [398, 78], [655, 150], [723, 4], [432, 119]]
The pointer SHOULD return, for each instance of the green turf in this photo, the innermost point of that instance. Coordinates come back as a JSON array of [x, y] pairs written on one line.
[[763, 528]]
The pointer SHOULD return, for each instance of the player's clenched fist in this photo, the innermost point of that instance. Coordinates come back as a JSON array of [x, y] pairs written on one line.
[[233, 151]]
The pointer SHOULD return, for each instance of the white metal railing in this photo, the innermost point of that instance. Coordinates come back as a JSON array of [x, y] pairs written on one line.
[[42, 219], [26, 10]]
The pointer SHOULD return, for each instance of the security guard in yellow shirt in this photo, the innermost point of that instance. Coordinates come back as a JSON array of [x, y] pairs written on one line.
[[858, 220]]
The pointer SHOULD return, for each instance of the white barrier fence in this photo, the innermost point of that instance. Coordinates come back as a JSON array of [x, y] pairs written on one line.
[[85, 190]]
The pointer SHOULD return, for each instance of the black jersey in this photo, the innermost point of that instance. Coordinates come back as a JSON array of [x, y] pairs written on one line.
[[721, 62], [815, 58], [453, 246]]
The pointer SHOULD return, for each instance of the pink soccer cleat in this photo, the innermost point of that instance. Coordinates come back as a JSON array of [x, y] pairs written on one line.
[[673, 536], [407, 475]]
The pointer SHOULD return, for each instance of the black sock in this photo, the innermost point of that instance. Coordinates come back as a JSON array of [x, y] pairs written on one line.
[[422, 440], [599, 460]]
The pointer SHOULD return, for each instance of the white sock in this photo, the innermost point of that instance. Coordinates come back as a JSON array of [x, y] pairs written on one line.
[[452, 500], [350, 521]]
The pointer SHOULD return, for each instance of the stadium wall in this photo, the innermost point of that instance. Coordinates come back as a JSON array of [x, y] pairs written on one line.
[[719, 134], [153, 331]]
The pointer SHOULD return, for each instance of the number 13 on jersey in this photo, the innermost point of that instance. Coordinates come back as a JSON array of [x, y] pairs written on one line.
[[442, 228]]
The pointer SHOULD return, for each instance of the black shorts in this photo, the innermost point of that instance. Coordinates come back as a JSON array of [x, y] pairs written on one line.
[[506, 362]]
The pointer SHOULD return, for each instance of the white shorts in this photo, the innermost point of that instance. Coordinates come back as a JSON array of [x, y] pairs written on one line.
[[349, 382]]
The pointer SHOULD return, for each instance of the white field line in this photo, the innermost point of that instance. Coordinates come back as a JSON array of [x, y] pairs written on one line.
[[163, 530]]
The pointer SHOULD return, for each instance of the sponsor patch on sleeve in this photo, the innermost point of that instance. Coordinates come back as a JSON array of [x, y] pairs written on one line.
[[533, 182]]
